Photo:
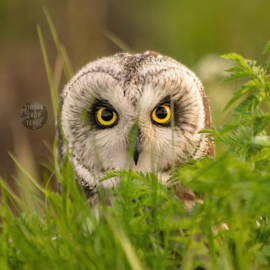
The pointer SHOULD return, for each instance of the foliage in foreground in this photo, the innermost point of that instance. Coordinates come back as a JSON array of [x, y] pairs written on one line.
[[145, 227]]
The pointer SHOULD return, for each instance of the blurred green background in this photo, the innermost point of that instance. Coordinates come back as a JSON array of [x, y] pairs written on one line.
[[193, 32]]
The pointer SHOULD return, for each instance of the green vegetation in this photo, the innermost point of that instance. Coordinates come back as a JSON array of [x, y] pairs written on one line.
[[145, 227]]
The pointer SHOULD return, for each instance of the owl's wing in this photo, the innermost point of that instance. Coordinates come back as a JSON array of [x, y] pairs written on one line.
[[210, 151], [208, 124]]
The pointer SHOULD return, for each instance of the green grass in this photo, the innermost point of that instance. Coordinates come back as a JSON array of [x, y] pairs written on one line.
[[145, 227]]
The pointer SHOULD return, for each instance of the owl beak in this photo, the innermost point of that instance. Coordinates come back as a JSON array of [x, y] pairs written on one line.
[[137, 147]]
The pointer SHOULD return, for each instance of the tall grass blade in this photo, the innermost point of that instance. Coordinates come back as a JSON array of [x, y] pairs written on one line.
[[66, 68], [27, 175], [117, 41], [54, 93], [125, 243]]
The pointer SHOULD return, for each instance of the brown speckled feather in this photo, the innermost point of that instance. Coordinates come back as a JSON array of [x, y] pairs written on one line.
[[126, 78]]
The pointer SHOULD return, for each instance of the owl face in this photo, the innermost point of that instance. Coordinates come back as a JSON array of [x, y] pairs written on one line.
[[140, 112]]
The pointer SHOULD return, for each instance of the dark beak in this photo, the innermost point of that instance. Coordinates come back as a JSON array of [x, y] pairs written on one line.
[[137, 147]]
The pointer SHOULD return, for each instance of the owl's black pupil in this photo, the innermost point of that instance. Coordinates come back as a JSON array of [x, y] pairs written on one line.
[[161, 113], [106, 115]]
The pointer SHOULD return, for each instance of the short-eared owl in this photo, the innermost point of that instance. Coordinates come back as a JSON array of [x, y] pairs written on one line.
[[107, 98]]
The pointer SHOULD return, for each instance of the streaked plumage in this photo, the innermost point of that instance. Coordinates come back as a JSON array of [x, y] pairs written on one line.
[[132, 87]]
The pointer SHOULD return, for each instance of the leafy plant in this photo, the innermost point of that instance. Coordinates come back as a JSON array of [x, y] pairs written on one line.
[[244, 134]]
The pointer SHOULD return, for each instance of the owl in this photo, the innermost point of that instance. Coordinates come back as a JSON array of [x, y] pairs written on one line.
[[159, 98]]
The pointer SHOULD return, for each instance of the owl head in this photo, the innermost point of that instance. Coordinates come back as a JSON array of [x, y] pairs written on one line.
[[152, 96]]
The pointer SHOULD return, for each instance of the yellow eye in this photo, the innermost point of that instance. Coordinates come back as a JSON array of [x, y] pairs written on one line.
[[161, 114], [106, 117]]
